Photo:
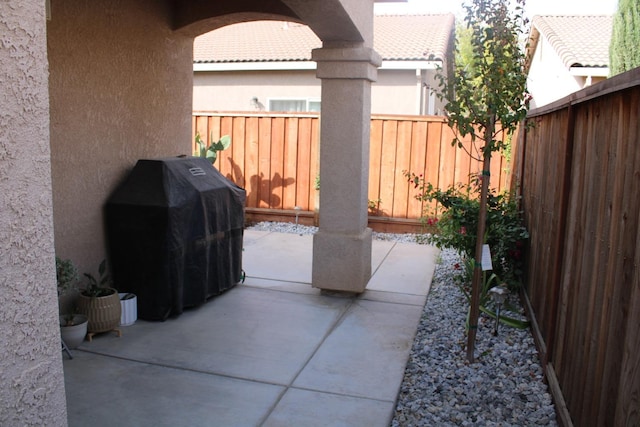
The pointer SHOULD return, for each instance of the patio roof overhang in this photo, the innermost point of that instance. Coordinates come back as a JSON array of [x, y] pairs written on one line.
[[306, 65]]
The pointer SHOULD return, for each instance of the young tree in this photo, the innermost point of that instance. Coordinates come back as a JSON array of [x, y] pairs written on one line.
[[624, 50], [485, 97]]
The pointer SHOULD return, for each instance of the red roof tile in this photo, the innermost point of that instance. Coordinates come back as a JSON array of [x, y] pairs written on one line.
[[396, 37], [578, 40]]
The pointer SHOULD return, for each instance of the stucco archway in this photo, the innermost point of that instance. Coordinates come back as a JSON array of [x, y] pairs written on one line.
[[347, 65], [106, 83]]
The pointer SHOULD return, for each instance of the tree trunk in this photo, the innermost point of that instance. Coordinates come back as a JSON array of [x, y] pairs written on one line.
[[476, 284]]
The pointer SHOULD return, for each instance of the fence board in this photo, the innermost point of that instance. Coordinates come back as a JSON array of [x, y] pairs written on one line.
[[275, 157], [290, 174], [580, 183], [447, 160], [304, 181], [388, 165], [495, 171], [572, 269], [612, 208], [432, 168], [627, 412], [252, 163], [464, 164], [403, 160], [225, 161], [375, 158], [418, 164], [238, 151], [314, 166], [263, 180], [277, 163], [628, 235]]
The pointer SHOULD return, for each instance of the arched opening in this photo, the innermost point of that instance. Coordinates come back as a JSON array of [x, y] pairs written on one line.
[[347, 66]]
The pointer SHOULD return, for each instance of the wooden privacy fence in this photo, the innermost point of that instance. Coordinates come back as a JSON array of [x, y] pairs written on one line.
[[275, 158], [579, 167]]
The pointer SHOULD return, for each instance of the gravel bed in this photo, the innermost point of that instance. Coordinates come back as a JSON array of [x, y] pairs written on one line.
[[286, 227], [504, 387]]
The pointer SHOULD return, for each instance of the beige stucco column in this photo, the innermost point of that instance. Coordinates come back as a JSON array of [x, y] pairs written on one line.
[[342, 246], [31, 375]]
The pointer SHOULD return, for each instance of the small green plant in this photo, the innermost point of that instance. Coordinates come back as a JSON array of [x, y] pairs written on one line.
[[489, 281], [211, 152], [66, 276], [374, 206], [456, 225], [99, 287], [68, 280]]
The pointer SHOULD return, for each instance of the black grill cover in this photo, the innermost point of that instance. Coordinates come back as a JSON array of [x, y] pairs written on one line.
[[174, 231]]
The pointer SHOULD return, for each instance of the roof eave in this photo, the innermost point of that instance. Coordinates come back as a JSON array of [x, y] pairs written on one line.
[[589, 71], [412, 64], [254, 66], [305, 65]]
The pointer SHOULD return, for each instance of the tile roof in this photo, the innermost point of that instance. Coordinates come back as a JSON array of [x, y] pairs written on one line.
[[579, 40], [396, 37]]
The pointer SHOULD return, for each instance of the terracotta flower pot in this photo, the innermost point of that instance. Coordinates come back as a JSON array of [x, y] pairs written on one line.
[[103, 312]]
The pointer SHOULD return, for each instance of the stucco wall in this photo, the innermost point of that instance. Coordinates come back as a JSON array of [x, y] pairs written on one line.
[[548, 79], [121, 90], [395, 91], [31, 380], [233, 91], [398, 92]]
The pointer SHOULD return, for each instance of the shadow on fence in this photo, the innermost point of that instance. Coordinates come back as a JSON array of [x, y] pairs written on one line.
[[279, 155], [258, 187]]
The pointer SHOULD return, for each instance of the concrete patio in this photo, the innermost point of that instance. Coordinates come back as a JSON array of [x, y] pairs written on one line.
[[270, 352]]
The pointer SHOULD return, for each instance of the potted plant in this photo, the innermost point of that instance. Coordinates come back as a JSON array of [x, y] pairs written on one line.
[[73, 326], [100, 303]]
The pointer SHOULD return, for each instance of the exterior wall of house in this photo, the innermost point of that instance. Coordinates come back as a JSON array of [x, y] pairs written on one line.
[[121, 90], [549, 79], [395, 91], [31, 378], [233, 91], [404, 92]]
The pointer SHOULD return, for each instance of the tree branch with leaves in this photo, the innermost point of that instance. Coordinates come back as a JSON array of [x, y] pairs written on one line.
[[485, 97]]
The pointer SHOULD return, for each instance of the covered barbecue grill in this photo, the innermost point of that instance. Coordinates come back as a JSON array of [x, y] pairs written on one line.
[[174, 230]]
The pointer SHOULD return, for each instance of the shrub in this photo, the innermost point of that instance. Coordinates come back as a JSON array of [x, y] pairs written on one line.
[[457, 223], [66, 275]]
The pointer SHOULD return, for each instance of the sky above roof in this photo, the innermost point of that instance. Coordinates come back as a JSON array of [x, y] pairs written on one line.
[[533, 7]]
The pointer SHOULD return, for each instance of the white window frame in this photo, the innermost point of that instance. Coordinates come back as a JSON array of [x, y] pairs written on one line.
[[307, 102]]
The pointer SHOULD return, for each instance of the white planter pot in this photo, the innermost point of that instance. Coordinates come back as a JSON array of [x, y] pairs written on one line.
[[74, 335], [129, 309]]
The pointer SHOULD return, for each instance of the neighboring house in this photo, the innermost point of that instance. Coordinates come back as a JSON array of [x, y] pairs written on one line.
[[566, 54], [266, 65]]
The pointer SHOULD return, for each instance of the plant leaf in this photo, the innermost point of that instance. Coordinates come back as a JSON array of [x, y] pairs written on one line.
[[225, 142], [509, 321]]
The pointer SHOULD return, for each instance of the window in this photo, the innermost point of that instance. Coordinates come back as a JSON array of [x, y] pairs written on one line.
[[313, 106], [294, 105]]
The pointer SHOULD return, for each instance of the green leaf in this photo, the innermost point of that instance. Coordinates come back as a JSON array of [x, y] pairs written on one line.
[[509, 321], [211, 155], [225, 142]]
